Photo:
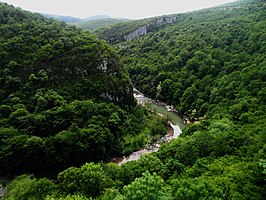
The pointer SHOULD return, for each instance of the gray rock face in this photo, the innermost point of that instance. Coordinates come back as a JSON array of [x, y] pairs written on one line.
[[167, 20], [144, 29], [2, 192], [171, 20], [110, 97], [140, 31]]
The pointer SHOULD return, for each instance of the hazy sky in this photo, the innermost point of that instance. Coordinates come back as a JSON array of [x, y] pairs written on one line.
[[116, 8]]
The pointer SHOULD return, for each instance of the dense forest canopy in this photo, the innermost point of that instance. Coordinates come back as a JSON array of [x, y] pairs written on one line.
[[97, 23], [210, 64], [65, 97], [38, 52], [204, 58]]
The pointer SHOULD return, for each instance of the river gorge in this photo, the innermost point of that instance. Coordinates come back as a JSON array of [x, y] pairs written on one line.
[[175, 121]]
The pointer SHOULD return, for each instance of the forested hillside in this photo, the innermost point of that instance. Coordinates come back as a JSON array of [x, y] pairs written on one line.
[[205, 61], [65, 98], [90, 23], [97, 23], [210, 64]]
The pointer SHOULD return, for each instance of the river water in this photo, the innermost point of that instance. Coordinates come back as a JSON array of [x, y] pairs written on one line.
[[175, 121]]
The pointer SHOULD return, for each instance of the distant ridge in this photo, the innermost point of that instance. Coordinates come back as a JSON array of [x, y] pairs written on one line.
[[69, 19], [96, 24], [97, 17], [62, 18]]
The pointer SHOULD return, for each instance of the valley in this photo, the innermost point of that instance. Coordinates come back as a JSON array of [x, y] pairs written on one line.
[[195, 127]]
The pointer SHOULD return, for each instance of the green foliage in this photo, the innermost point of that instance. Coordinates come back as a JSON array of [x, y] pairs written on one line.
[[110, 193], [245, 178], [147, 187], [210, 64], [154, 127], [94, 25], [26, 187], [205, 61], [66, 134], [68, 197], [134, 169], [92, 179], [263, 165], [44, 53], [115, 33], [195, 189], [65, 97]]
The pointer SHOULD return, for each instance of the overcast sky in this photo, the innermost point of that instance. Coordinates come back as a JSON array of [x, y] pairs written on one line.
[[133, 9]]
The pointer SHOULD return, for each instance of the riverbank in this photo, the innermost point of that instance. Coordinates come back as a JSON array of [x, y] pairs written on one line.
[[2, 192], [174, 126], [171, 108], [158, 106], [3, 183], [149, 148]]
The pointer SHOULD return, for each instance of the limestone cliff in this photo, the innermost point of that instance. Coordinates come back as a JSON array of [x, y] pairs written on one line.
[[167, 20], [140, 31]]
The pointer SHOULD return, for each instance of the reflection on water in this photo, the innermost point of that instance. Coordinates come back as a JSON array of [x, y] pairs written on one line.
[[173, 117], [176, 122]]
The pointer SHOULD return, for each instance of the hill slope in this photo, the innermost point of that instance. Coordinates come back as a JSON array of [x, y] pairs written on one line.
[[89, 23], [117, 33], [65, 97], [66, 19], [69, 19], [211, 65], [96, 24], [202, 58], [68, 56]]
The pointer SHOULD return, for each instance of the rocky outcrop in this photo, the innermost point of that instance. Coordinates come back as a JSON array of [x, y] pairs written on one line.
[[2, 192], [140, 31], [167, 20], [146, 28]]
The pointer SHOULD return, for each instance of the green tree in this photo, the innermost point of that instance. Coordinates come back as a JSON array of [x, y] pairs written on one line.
[[147, 187], [27, 187], [91, 177], [195, 189]]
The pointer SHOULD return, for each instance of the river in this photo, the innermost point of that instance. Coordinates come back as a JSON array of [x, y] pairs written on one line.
[[176, 123]]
